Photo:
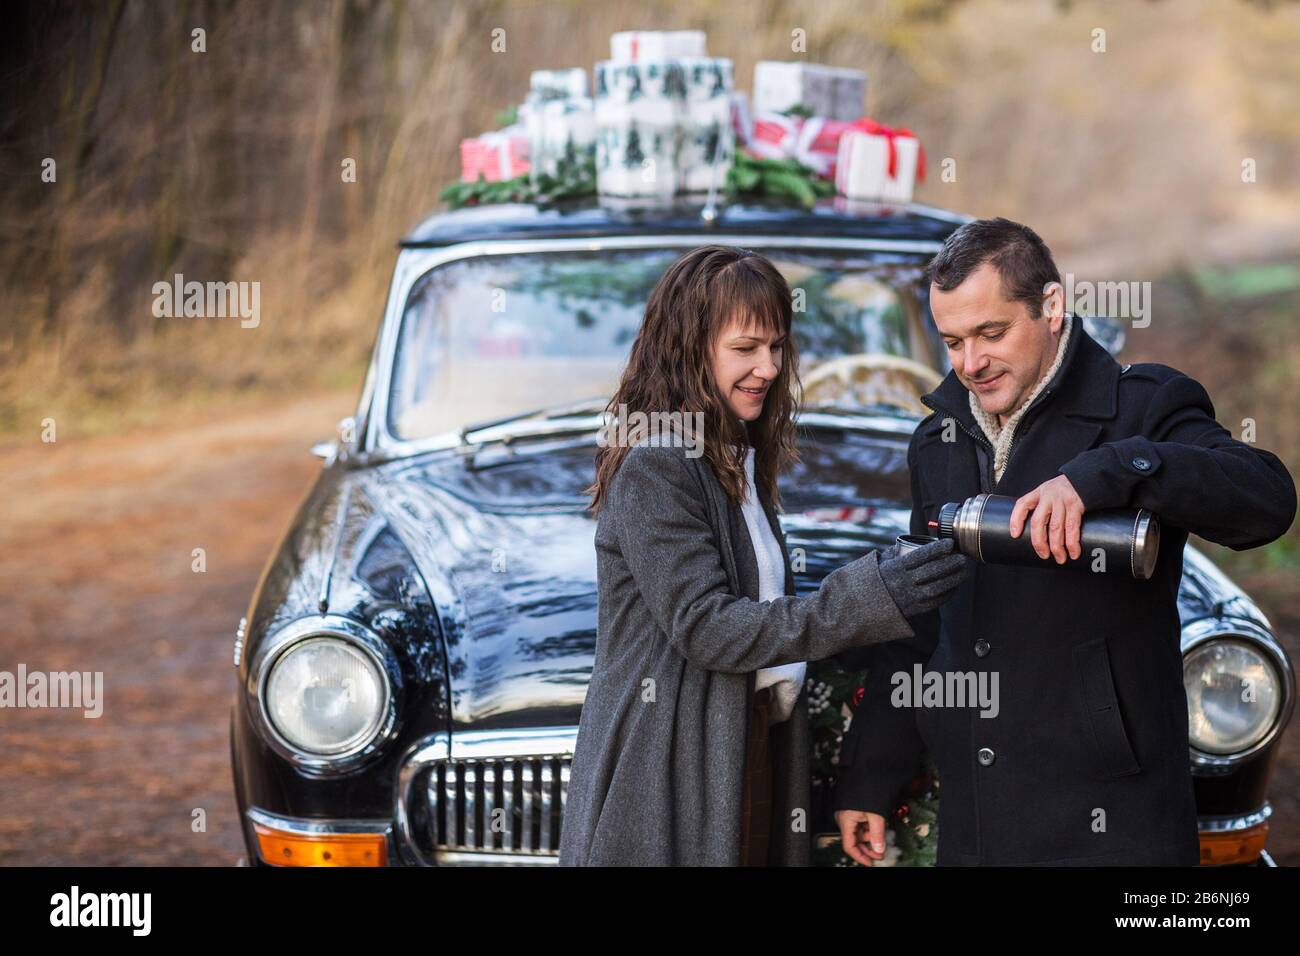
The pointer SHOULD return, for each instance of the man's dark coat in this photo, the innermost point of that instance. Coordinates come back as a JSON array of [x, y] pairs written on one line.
[[1087, 760]]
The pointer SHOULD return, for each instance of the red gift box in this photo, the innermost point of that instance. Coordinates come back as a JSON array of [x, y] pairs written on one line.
[[496, 156]]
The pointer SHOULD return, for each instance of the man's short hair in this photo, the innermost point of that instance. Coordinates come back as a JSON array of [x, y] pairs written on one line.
[[1022, 259]]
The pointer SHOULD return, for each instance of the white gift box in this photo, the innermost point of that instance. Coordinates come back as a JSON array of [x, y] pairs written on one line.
[[707, 147], [639, 112], [651, 90], [556, 129], [663, 80], [850, 94], [862, 166], [635, 161], [630, 46], [707, 139], [779, 86], [829, 91], [663, 126], [706, 77], [558, 84], [618, 82], [698, 173]]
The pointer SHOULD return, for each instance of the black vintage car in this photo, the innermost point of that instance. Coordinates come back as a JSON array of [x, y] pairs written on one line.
[[413, 662]]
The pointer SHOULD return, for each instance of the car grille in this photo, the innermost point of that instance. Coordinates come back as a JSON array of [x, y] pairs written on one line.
[[506, 806], [474, 801]]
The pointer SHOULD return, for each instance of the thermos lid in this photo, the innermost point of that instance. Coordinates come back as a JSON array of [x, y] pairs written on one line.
[[1146, 544], [948, 518]]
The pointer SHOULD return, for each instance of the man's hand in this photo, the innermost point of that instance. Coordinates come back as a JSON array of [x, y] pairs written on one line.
[[1058, 516], [862, 835]]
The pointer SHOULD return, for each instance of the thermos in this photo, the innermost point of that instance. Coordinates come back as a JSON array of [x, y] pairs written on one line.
[[981, 528]]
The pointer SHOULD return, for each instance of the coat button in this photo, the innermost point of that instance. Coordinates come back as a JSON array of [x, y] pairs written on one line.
[[981, 648], [986, 757], [1141, 464]]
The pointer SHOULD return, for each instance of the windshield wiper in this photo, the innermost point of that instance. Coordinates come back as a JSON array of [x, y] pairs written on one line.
[[539, 416], [857, 411], [538, 422]]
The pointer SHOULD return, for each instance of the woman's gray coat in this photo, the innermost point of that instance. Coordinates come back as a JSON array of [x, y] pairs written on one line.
[[659, 762]]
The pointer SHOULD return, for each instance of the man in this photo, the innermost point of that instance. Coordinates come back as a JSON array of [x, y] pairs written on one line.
[[1083, 759]]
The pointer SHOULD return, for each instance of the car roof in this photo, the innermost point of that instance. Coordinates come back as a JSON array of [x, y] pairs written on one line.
[[591, 216]]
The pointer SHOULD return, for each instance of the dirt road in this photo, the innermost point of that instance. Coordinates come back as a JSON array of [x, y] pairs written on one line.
[[96, 554], [96, 545]]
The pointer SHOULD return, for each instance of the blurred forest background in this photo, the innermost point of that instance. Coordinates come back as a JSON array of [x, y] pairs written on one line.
[[226, 165]]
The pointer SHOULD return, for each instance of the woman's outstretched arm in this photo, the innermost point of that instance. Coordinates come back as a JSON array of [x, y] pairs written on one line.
[[666, 539]]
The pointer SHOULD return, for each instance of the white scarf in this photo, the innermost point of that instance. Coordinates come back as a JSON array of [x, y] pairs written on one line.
[[786, 680], [1001, 437]]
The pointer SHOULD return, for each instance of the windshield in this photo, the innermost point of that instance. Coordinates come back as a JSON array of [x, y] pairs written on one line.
[[489, 337]]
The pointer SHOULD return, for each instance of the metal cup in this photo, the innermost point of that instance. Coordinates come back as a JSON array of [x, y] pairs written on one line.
[[910, 542]]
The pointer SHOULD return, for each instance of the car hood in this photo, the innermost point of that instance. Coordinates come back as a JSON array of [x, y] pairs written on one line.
[[505, 545]]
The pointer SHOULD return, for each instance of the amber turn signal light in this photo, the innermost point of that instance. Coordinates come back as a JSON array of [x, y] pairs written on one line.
[[1233, 846], [279, 848]]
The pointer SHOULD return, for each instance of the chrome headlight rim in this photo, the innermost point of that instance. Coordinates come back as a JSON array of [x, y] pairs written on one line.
[[336, 627], [1207, 630]]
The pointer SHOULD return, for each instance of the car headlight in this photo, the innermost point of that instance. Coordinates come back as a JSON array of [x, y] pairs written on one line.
[[326, 696], [1236, 692], [323, 691]]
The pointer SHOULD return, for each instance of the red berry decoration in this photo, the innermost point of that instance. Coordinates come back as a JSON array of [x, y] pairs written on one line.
[[858, 695]]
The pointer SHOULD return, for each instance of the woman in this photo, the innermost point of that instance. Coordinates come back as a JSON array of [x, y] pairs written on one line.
[[700, 643]]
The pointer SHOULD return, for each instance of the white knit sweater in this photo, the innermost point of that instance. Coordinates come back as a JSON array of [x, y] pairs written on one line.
[[1001, 437]]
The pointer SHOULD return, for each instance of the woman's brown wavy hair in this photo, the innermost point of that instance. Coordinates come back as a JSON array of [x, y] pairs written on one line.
[[669, 369]]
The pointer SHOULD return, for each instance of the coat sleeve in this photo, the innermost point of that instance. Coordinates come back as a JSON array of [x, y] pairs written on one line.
[[882, 748], [669, 545], [1190, 471]]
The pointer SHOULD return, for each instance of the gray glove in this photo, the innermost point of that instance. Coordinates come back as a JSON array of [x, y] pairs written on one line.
[[922, 579]]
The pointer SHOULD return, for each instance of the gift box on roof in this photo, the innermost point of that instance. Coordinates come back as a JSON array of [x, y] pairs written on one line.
[[832, 92], [631, 161], [877, 162], [558, 84], [639, 111], [496, 156], [708, 79], [775, 135], [742, 119], [560, 121], [629, 46], [850, 93], [707, 143], [559, 131], [663, 125], [779, 87], [817, 144], [814, 141]]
